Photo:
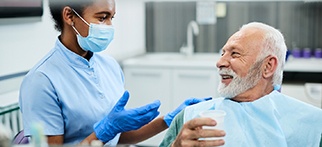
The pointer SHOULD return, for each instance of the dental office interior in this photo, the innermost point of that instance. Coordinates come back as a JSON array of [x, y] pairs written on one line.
[[168, 49]]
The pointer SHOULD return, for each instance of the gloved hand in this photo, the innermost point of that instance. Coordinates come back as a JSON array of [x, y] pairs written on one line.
[[169, 117], [121, 120]]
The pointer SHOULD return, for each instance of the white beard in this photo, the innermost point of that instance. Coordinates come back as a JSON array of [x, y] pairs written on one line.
[[239, 84]]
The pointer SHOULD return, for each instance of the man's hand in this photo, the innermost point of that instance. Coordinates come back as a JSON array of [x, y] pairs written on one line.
[[192, 131]]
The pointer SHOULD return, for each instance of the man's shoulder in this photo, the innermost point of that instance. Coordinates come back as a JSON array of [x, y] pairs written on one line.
[[282, 99], [193, 111], [206, 104]]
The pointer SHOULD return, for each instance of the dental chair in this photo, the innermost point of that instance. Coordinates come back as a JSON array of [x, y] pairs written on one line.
[[20, 138]]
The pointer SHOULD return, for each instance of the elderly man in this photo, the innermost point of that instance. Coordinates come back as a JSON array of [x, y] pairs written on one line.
[[256, 115]]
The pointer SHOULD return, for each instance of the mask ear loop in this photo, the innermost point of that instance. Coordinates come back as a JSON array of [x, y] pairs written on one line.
[[80, 17], [75, 29]]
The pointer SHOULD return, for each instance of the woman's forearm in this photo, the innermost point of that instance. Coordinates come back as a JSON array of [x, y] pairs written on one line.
[[154, 127], [89, 139], [132, 137]]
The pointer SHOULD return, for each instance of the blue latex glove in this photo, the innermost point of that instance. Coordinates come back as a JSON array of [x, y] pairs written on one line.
[[121, 120], [169, 117]]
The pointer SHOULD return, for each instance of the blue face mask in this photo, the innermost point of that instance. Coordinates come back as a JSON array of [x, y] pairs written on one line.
[[99, 36]]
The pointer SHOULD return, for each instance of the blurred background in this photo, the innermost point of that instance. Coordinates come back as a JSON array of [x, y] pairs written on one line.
[[299, 21], [148, 45]]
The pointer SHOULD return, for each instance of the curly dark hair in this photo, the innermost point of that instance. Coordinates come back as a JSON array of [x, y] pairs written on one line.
[[56, 8]]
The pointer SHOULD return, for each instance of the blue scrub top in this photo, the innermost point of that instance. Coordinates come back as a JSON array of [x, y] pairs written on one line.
[[67, 94]]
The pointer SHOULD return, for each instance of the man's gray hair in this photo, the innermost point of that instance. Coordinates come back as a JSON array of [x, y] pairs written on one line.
[[273, 44]]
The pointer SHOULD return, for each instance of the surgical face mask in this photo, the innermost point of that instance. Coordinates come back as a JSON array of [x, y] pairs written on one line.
[[239, 84], [99, 36]]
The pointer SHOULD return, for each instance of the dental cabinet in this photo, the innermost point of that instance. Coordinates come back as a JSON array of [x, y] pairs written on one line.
[[170, 85], [170, 77]]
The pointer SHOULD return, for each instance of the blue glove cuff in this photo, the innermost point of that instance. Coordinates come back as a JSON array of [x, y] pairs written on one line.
[[101, 133], [168, 119]]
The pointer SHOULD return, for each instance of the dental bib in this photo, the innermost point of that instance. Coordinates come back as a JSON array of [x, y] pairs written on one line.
[[273, 120]]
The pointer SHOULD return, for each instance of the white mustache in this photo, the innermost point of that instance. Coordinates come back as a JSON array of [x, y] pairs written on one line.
[[226, 71]]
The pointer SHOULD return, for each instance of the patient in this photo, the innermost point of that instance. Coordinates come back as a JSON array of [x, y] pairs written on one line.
[[251, 65]]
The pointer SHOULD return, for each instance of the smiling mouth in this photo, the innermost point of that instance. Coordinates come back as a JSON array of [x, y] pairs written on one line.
[[224, 77]]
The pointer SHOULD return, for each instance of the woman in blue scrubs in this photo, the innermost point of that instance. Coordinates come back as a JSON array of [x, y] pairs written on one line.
[[78, 95]]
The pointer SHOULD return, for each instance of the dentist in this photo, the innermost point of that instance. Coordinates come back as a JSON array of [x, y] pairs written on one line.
[[77, 94]]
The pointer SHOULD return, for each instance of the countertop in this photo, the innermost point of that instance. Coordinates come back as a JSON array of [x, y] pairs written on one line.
[[173, 60], [303, 65], [208, 60]]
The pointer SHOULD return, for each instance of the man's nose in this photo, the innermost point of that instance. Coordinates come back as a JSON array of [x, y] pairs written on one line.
[[222, 62]]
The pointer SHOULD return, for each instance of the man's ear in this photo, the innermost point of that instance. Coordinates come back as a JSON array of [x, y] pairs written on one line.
[[68, 15], [270, 65]]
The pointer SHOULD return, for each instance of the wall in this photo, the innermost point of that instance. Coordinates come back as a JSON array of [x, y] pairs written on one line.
[[129, 22], [24, 41]]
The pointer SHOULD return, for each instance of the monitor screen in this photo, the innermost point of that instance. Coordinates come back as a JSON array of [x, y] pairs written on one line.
[[20, 8]]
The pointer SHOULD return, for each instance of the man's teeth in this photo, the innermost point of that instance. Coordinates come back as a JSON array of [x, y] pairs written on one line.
[[227, 76]]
